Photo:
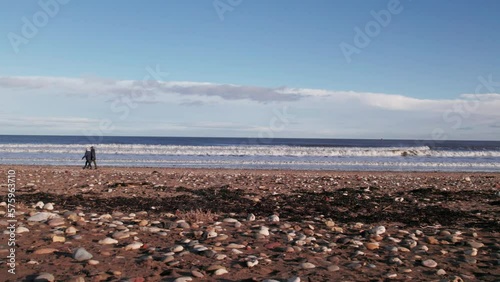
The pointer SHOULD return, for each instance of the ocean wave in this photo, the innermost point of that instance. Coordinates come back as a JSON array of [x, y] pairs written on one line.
[[245, 150]]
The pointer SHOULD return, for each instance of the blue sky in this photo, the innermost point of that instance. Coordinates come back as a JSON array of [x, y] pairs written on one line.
[[234, 67]]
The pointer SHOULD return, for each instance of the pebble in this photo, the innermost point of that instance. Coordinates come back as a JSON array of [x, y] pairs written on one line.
[[250, 217], [472, 252], [235, 246], [307, 265], [441, 272], [42, 216], [293, 279], [93, 262], [45, 251], [475, 244], [379, 230], [70, 230], [333, 268], [121, 235], [220, 271], [44, 277], [372, 245], [183, 279], [81, 254], [252, 263], [39, 205], [177, 249], [429, 263], [22, 229], [274, 218], [133, 246], [108, 241], [264, 231], [197, 274], [56, 222], [48, 206], [60, 239]]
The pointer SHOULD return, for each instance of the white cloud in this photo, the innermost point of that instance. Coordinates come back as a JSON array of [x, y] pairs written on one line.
[[319, 112]]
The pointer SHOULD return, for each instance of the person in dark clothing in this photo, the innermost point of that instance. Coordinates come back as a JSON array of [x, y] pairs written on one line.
[[92, 156], [88, 159]]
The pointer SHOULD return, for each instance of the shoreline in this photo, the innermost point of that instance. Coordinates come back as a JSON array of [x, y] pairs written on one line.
[[265, 170]]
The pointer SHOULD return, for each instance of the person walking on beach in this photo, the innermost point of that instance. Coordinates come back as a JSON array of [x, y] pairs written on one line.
[[92, 157], [88, 159]]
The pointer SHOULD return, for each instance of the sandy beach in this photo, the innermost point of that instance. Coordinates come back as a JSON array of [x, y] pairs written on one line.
[[158, 224]]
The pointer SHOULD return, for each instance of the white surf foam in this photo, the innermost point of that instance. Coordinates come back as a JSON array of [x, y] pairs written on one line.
[[246, 150]]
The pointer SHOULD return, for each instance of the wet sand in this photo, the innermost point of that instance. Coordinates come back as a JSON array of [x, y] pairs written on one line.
[[252, 225]]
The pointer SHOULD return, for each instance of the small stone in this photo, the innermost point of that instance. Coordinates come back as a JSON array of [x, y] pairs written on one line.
[[39, 205], [214, 267], [220, 256], [48, 206], [293, 279], [379, 230], [221, 237], [431, 240], [60, 239], [307, 265], [330, 223], [44, 277], [168, 259], [197, 274], [372, 245], [22, 229], [230, 220], [392, 275], [70, 230], [211, 234], [177, 249], [183, 279], [183, 225], [108, 241], [220, 271], [133, 246], [235, 246], [472, 252], [41, 216], [333, 268], [429, 263], [121, 235], [250, 217], [93, 262], [45, 251], [252, 263], [56, 222], [475, 244], [81, 254], [274, 218], [441, 272]]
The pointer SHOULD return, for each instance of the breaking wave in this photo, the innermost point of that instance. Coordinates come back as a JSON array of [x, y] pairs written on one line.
[[247, 150]]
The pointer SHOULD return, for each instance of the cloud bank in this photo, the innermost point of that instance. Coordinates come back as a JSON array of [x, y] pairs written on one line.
[[319, 112]]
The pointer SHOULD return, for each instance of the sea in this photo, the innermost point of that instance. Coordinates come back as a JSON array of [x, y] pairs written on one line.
[[248, 153]]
